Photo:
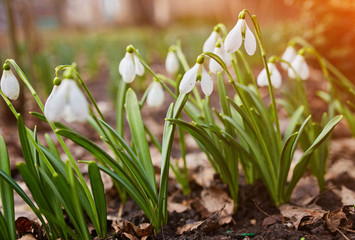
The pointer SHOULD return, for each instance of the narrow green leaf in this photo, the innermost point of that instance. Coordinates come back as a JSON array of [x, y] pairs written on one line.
[[294, 120], [99, 197], [303, 161], [120, 101], [7, 194], [136, 125]]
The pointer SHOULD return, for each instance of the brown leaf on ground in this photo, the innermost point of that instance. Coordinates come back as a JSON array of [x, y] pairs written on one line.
[[296, 215], [338, 219], [128, 229], [305, 191], [212, 200], [23, 225], [27, 237], [177, 207], [347, 196], [208, 225], [271, 220]]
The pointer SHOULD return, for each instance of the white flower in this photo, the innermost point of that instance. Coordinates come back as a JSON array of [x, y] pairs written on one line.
[[236, 36], [189, 80], [130, 66], [211, 41], [214, 66], [172, 63], [155, 96], [289, 55], [275, 77], [300, 66], [10, 85], [68, 102]]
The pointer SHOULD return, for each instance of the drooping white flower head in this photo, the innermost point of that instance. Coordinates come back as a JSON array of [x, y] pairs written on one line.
[[211, 41], [189, 79], [300, 66], [240, 32], [130, 66], [9, 84], [155, 96], [67, 102], [289, 55], [172, 63], [214, 66], [275, 77]]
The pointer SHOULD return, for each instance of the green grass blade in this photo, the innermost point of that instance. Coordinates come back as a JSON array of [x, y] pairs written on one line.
[[4, 229]]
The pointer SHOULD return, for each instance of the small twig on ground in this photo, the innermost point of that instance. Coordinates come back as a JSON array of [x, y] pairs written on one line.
[[257, 206], [120, 211]]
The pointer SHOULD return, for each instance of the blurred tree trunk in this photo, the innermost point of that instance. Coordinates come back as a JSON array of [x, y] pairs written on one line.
[[6, 115], [143, 11]]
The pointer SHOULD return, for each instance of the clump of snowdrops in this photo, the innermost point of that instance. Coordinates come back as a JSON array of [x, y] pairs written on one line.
[[244, 131]]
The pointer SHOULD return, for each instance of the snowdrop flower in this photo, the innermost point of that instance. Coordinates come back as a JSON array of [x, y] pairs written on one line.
[[9, 84], [275, 76], [172, 63], [289, 55], [239, 33], [219, 51], [300, 66], [155, 96], [189, 79], [130, 66], [66, 101], [211, 41]]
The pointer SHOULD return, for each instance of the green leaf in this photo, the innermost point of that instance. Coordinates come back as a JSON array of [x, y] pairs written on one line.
[[136, 125], [120, 101], [294, 120], [99, 197], [303, 161], [4, 229], [7, 194]]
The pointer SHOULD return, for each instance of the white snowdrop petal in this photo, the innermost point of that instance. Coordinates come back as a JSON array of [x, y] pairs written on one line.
[[55, 104], [189, 80], [206, 82], [172, 63], [300, 66], [155, 96], [127, 68], [249, 41], [262, 79], [289, 55], [234, 38], [10, 85], [210, 42], [53, 107], [139, 66], [78, 110], [214, 65], [276, 79]]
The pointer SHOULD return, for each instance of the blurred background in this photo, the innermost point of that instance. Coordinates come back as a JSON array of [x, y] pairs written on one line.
[[41, 34]]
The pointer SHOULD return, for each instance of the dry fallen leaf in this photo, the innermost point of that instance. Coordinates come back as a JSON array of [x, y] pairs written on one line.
[[27, 237], [305, 191], [295, 214], [337, 219], [208, 225], [130, 230], [347, 196]]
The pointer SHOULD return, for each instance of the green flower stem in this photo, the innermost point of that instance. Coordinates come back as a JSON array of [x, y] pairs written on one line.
[[270, 181], [8, 103], [271, 92], [61, 141], [146, 66], [248, 69]]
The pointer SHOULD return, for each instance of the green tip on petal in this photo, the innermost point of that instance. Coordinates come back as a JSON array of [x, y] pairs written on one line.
[[57, 81], [6, 66], [218, 44], [68, 73], [130, 49], [172, 49], [200, 59]]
